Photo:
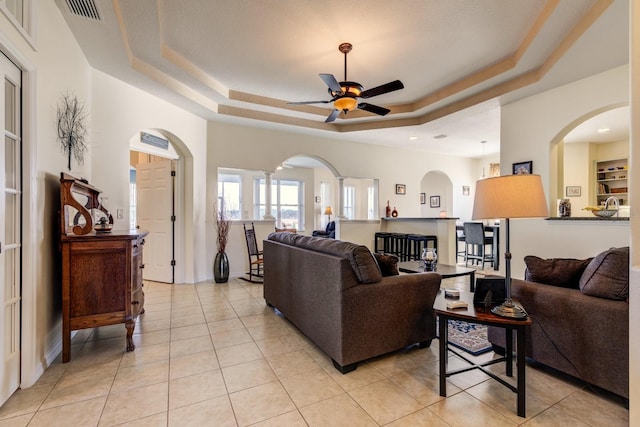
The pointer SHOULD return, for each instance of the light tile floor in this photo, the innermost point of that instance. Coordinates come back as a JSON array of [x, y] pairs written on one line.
[[214, 354]]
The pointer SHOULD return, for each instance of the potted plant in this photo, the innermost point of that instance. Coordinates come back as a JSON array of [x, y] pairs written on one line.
[[221, 262]]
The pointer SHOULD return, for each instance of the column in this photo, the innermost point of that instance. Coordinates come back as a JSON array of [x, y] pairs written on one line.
[[267, 196], [340, 213]]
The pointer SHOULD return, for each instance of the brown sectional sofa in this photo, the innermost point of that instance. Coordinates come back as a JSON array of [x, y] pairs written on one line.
[[334, 293], [580, 314]]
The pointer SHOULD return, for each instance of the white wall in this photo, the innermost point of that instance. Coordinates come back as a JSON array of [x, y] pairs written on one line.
[[391, 166], [529, 128], [57, 66], [114, 121], [634, 277]]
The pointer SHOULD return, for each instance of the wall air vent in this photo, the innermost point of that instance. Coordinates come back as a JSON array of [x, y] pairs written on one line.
[[156, 141], [84, 8]]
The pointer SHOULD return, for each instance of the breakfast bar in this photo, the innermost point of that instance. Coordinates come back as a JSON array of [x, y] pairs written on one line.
[[443, 228]]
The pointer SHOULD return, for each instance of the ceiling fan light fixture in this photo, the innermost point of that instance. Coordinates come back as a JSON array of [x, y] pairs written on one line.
[[345, 103]]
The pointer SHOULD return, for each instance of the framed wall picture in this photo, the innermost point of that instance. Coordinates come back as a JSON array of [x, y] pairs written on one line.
[[423, 198], [574, 191], [434, 201], [401, 189], [465, 190], [523, 168]]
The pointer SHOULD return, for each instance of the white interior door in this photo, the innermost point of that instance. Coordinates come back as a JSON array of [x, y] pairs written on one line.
[[10, 232], [154, 213]]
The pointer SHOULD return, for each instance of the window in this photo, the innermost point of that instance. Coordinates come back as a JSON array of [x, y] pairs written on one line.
[[229, 190], [371, 202], [287, 198], [20, 14], [349, 201]]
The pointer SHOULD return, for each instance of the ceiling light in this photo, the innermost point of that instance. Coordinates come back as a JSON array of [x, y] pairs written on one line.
[[413, 138], [345, 103], [279, 168], [603, 130]]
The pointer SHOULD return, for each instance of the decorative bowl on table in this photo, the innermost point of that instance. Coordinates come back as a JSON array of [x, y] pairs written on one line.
[[605, 213]]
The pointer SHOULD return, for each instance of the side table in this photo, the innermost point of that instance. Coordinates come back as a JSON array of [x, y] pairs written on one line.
[[483, 316]]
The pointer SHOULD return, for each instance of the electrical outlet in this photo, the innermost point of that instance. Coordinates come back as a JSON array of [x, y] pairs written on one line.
[[119, 213]]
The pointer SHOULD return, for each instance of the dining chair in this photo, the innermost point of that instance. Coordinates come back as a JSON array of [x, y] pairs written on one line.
[[476, 243]]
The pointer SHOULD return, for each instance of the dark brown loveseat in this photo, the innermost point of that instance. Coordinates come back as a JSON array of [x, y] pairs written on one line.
[[580, 314], [333, 292]]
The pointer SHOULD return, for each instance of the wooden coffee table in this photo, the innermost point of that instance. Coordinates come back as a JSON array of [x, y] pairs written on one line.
[[444, 270], [482, 316]]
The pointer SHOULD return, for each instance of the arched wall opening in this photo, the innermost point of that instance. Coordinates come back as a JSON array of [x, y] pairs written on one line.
[[587, 170], [436, 195], [179, 249]]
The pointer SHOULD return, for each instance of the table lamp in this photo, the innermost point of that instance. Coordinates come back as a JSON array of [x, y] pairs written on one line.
[[328, 213], [506, 197]]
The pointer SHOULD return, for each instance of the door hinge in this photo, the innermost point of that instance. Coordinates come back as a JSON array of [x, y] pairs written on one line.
[[173, 173], [173, 262], [173, 218]]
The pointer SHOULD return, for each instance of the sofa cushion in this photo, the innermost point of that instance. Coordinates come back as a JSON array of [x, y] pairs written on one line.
[[607, 275], [388, 264], [360, 257], [562, 272]]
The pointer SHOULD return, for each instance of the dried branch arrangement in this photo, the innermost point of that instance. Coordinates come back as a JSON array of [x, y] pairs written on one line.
[[72, 128], [222, 228]]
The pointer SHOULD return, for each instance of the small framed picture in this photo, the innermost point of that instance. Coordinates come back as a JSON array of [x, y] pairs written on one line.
[[423, 198], [523, 168], [465, 190], [574, 191], [401, 189], [434, 201], [317, 199]]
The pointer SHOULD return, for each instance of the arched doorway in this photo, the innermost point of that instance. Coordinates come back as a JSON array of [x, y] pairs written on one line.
[[598, 140], [156, 182], [438, 195]]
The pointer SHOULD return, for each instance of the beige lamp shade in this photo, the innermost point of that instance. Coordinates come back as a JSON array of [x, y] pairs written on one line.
[[328, 211], [510, 196]]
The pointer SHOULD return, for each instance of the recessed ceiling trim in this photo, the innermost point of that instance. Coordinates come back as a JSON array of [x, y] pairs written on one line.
[[196, 72], [583, 25], [471, 80], [274, 118]]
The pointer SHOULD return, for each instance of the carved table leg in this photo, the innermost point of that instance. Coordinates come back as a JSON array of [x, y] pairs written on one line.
[[130, 324]]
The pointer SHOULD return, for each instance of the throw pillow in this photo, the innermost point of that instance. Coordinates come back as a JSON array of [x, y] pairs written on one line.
[[561, 272], [388, 264], [607, 275]]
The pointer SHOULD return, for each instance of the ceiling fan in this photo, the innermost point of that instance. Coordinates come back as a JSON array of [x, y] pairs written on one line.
[[345, 94]]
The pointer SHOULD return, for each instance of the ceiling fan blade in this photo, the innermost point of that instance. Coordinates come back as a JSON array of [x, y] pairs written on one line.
[[385, 88], [373, 109], [331, 81], [308, 102], [334, 114]]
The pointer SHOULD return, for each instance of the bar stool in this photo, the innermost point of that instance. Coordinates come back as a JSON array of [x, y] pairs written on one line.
[[417, 242], [382, 242], [399, 245]]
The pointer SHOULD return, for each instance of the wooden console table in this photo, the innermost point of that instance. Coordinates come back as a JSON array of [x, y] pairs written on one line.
[[101, 271]]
